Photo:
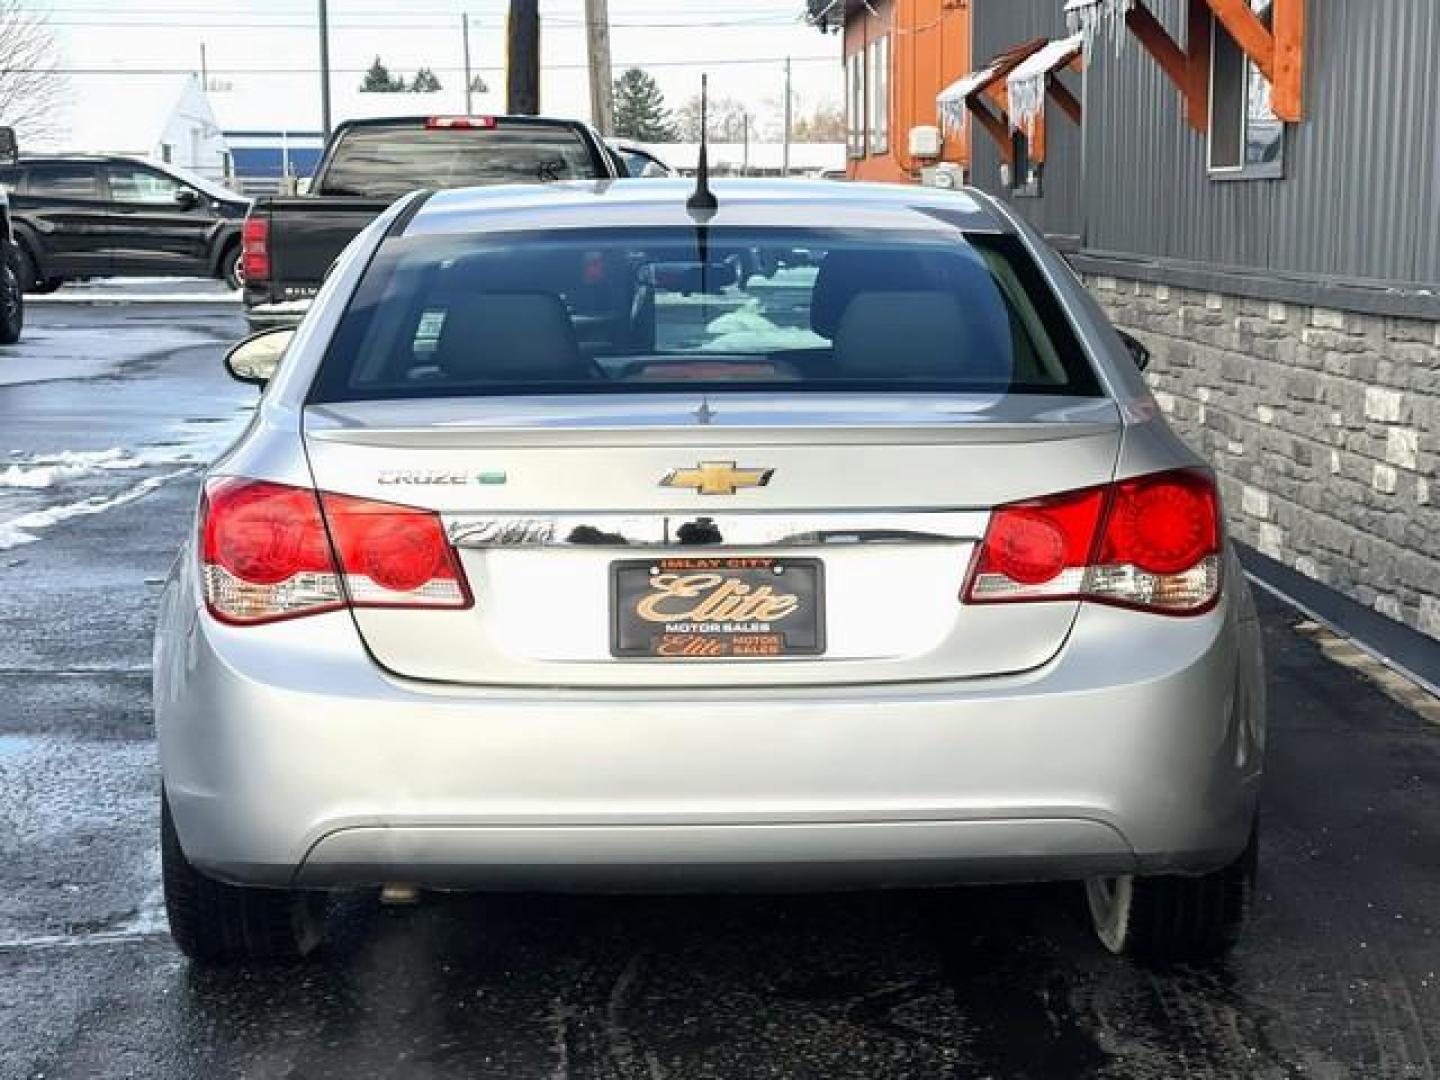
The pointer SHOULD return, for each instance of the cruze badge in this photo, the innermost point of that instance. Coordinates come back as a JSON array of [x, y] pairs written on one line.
[[717, 478], [438, 477]]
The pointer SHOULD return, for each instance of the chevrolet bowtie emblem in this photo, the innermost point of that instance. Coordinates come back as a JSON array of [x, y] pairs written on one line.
[[717, 478]]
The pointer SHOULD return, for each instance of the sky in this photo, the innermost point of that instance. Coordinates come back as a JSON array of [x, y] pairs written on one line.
[[263, 55]]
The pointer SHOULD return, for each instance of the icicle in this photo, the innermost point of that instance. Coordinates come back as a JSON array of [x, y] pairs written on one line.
[[1090, 17], [1029, 81], [951, 102], [952, 117], [1027, 99]]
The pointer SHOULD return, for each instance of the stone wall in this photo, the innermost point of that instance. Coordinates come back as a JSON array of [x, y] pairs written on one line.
[[1324, 427]]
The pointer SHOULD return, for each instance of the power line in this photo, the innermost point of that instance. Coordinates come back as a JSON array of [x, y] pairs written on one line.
[[695, 62]]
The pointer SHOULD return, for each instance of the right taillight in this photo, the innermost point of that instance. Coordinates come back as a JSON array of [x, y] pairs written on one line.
[[271, 551], [255, 249], [1152, 543]]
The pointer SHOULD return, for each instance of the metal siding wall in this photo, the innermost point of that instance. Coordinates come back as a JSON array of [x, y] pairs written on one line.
[[1359, 201], [997, 26]]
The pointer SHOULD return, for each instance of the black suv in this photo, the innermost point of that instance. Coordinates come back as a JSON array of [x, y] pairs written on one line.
[[84, 216]]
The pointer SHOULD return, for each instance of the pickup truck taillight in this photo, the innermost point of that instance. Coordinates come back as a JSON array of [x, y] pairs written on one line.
[[1151, 543], [468, 123], [255, 249], [271, 551]]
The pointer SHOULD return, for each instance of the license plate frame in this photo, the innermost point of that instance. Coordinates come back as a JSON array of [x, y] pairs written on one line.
[[685, 638]]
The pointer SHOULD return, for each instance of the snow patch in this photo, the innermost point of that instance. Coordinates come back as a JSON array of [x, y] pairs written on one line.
[[22, 529], [749, 330], [40, 471]]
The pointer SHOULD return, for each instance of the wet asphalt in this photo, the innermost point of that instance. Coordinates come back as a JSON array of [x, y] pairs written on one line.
[[1339, 975]]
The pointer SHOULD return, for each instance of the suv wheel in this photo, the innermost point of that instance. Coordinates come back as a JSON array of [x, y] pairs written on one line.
[[216, 923], [12, 299], [1171, 919]]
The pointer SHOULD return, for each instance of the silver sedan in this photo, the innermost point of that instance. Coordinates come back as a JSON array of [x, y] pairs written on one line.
[[566, 550]]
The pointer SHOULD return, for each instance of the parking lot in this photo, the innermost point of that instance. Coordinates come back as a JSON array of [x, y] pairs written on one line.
[[108, 410]]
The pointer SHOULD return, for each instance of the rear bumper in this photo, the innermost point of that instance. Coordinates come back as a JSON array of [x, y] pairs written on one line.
[[289, 757]]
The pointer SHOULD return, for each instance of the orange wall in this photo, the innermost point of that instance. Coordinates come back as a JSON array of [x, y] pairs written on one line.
[[929, 49]]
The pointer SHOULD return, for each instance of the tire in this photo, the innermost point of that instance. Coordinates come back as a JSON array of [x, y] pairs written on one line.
[[12, 300], [218, 924], [232, 267], [24, 267], [1165, 920]]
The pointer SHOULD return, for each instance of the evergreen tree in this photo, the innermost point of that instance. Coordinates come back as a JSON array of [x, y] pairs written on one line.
[[424, 82], [379, 81], [478, 85], [640, 111]]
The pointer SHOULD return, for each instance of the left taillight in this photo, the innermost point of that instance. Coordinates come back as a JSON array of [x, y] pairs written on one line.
[[1151, 543], [255, 248], [266, 553]]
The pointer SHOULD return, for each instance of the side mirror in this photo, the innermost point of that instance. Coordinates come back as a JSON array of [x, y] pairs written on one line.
[[256, 359], [187, 198], [1138, 352]]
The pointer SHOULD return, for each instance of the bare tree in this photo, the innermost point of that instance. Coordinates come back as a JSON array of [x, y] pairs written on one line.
[[824, 123], [31, 88], [724, 116]]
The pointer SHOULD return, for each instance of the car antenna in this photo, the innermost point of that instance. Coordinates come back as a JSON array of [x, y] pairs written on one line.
[[702, 200]]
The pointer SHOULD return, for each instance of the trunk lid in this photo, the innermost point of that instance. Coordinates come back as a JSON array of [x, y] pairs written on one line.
[[542, 496]]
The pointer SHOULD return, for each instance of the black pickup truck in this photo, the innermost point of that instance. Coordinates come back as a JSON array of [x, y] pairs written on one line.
[[290, 242]]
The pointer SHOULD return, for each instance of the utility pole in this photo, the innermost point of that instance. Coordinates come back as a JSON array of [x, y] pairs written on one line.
[[785, 154], [522, 53], [745, 151], [465, 37], [597, 38], [324, 70]]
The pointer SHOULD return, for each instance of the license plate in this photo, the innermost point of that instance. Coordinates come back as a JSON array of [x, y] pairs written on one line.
[[725, 607]]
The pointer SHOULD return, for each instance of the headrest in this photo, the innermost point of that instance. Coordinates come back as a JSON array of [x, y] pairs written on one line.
[[843, 274], [918, 334], [516, 336]]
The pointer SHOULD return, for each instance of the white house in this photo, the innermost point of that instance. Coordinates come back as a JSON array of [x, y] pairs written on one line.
[[163, 118]]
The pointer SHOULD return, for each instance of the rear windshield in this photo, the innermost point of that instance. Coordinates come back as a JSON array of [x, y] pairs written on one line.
[[387, 162], [635, 311]]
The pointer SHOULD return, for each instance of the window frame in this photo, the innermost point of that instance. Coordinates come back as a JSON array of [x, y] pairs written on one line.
[[878, 95], [1250, 75], [855, 105]]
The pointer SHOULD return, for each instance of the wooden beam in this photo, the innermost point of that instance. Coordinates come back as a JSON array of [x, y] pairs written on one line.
[[998, 129], [1197, 65], [1068, 102], [1158, 43], [1287, 22], [1249, 33]]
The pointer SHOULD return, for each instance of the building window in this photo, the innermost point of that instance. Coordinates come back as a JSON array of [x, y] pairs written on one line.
[[880, 95], [167, 153], [855, 103], [1247, 139]]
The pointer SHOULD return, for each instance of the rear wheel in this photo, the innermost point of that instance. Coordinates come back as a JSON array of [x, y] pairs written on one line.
[[12, 301], [233, 267], [216, 923], [24, 267], [1173, 920]]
